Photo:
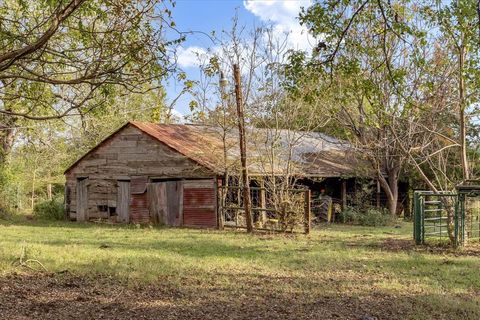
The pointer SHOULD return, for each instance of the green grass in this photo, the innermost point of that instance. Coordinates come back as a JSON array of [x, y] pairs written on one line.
[[366, 264]]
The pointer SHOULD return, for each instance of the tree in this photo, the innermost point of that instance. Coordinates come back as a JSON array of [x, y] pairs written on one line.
[[378, 55], [459, 25], [69, 57], [350, 67], [269, 111]]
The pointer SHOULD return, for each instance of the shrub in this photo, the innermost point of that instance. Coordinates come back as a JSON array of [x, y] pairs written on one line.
[[5, 213], [50, 209], [371, 217], [348, 215], [375, 217]]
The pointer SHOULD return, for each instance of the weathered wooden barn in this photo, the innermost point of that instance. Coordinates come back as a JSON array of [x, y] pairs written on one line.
[[169, 174]]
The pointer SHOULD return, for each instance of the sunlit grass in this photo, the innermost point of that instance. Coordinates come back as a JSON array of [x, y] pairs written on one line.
[[332, 260]]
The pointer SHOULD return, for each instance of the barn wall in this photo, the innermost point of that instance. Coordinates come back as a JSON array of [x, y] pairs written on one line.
[[128, 155]]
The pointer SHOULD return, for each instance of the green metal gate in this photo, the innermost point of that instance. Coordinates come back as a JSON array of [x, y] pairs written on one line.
[[449, 217], [434, 214], [469, 211]]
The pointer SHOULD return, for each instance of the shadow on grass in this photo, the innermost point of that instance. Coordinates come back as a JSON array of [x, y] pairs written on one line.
[[61, 297]]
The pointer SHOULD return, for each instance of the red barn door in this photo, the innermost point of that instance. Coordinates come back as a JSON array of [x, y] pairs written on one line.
[[199, 203]]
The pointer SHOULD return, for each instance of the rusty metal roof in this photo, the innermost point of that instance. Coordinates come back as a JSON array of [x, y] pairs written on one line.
[[199, 145], [305, 153]]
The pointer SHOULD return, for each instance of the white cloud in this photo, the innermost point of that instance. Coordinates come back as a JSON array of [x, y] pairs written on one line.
[[189, 57], [177, 116], [283, 15]]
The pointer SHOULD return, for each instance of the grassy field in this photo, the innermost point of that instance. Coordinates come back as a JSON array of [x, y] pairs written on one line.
[[337, 272]]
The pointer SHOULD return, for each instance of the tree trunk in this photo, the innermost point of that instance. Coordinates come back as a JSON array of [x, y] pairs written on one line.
[[243, 149], [49, 191], [393, 183], [391, 189], [7, 137], [461, 107]]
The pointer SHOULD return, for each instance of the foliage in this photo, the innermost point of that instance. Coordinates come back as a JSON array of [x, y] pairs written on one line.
[[50, 209], [289, 209], [373, 217], [66, 57], [362, 198], [404, 72]]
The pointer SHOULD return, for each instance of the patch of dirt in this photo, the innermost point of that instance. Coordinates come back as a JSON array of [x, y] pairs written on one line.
[[65, 296], [407, 245]]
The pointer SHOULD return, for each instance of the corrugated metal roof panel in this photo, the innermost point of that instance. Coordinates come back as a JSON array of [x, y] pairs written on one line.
[[269, 150]]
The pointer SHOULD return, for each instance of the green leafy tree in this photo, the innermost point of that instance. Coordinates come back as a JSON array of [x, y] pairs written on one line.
[[392, 73], [69, 57]]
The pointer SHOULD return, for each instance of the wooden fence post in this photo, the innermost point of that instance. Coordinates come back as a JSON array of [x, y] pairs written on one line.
[[307, 220], [263, 203], [344, 194], [220, 204]]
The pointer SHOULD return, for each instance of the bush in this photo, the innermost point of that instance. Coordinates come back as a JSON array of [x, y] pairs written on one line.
[[50, 209], [5, 213], [348, 215], [371, 217]]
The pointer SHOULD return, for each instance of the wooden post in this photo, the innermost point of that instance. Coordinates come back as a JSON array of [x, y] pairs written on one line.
[[263, 202], [243, 148], [239, 200], [220, 204], [32, 199], [307, 219], [378, 194], [344, 194], [49, 191]]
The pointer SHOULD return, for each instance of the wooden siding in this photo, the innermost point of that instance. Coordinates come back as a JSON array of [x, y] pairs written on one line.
[[132, 155], [82, 199], [199, 203], [123, 201], [164, 202]]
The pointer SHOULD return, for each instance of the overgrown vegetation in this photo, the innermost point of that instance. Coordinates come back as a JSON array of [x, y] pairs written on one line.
[[50, 209], [347, 271], [371, 217]]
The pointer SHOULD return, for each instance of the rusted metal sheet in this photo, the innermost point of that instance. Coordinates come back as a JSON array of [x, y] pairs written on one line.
[[199, 197], [198, 217], [199, 204], [308, 153], [139, 208], [199, 145]]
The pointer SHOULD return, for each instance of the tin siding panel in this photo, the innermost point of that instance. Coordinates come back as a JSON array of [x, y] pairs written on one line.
[[197, 217], [139, 209], [199, 204], [199, 198]]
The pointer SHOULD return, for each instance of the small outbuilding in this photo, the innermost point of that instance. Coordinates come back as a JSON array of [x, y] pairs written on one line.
[[170, 173]]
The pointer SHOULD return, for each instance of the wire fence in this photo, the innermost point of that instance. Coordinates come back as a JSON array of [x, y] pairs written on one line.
[[274, 210]]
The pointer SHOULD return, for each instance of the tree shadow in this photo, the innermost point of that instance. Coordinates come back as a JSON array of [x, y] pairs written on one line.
[[72, 297]]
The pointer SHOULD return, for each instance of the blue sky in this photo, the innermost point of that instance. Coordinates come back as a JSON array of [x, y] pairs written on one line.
[[209, 15]]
